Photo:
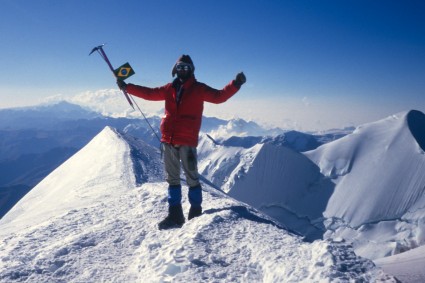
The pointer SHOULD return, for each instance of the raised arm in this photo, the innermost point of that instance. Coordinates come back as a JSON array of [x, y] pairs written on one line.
[[219, 96], [153, 94]]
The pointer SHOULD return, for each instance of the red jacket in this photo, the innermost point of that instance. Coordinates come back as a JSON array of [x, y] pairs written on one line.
[[182, 122]]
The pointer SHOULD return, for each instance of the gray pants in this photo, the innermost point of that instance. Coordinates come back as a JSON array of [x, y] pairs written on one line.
[[187, 155]]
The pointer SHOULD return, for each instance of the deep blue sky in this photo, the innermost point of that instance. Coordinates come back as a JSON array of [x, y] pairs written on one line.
[[322, 59]]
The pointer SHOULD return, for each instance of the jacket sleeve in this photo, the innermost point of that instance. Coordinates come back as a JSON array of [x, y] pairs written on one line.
[[153, 94], [219, 96]]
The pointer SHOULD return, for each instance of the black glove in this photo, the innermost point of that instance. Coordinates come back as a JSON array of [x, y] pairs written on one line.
[[240, 79], [121, 84]]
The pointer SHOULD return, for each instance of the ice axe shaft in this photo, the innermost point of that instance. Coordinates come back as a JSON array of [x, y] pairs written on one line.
[[102, 53]]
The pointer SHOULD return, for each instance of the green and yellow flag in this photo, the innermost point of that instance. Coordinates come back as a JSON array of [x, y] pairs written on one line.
[[124, 71]]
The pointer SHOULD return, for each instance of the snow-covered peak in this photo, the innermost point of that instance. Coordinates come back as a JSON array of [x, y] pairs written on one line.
[[378, 172], [90, 220], [107, 155], [285, 185], [380, 160], [365, 187]]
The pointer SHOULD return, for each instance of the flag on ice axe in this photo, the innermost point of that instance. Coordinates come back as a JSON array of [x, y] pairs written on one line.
[[124, 71], [121, 73]]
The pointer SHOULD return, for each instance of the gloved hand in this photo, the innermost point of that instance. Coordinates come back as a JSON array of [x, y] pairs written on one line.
[[121, 84], [240, 79]]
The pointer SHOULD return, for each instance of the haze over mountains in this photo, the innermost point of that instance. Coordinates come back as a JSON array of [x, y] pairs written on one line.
[[364, 187]]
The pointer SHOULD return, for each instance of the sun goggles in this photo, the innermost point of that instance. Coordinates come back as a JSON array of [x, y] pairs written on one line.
[[183, 67]]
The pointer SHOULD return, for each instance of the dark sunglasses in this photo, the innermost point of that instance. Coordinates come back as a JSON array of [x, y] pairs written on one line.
[[185, 67]]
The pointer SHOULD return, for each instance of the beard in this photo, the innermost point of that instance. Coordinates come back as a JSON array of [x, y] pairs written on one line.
[[184, 76]]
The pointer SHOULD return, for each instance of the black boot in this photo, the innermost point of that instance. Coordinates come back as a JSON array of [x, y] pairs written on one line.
[[194, 211], [175, 218]]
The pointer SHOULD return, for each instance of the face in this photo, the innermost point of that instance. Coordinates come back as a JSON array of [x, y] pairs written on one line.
[[184, 71]]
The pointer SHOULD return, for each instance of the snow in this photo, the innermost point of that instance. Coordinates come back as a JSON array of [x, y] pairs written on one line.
[[379, 185], [408, 266], [272, 213], [290, 195], [92, 220], [367, 187], [374, 148]]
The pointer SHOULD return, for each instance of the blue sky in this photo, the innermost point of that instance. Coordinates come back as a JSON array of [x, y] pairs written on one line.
[[309, 64]]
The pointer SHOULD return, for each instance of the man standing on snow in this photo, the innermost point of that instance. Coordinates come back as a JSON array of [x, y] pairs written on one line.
[[184, 104]]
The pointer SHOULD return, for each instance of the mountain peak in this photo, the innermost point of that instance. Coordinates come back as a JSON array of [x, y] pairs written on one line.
[[109, 157], [378, 176]]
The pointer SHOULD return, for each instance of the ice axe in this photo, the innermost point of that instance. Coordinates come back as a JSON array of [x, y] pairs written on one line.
[[102, 54], [122, 73]]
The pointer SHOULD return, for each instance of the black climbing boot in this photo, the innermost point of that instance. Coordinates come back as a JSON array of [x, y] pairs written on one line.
[[194, 211], [175, 218]]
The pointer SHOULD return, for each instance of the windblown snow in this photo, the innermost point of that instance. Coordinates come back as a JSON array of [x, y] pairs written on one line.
[[93, 220]]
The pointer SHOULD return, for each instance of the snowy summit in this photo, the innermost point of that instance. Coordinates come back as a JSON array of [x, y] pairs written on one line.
[[95, 219]]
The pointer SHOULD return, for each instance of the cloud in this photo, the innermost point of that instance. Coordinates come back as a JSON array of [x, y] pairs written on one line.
[[108, 102], [306, 101]]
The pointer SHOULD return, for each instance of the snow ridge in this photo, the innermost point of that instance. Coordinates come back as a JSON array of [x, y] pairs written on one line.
[[146, 160], [390, 199], [91, 221]]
